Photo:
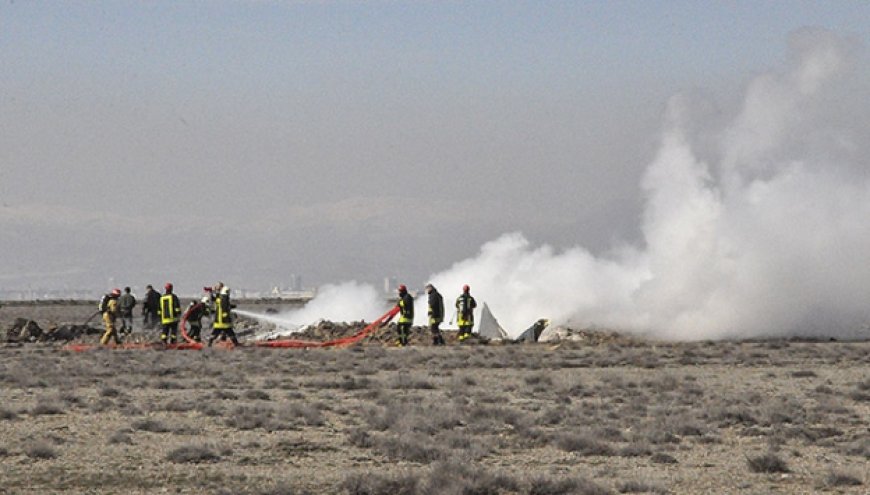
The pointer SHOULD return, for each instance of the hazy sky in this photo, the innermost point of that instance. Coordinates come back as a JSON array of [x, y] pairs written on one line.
[[245, 141]]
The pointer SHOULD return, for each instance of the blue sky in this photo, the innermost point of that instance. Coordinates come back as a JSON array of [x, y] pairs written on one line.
[[342, 140]]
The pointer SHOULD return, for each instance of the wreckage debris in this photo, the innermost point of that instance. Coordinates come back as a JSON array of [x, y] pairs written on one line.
[[23, 330]]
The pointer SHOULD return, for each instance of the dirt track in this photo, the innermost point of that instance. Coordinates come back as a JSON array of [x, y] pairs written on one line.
[[728, 417]]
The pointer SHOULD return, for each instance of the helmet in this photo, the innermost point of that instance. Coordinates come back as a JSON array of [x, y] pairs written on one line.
[[402, 288], [466, 288], [225, 290], [116, 292], [168, 286], [204, 300]]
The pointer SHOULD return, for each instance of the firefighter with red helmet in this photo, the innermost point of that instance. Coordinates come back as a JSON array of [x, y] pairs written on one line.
[[109, 308], [170, 313], [465, 305], [406, 316]]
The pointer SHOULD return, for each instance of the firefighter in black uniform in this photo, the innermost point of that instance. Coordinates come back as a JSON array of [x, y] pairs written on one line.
[[406, 316], [465, 305], [223, 317], [170, 312], [195, 312], [436, 314]]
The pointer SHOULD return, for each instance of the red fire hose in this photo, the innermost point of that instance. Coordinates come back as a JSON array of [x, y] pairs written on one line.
[[365, 332]]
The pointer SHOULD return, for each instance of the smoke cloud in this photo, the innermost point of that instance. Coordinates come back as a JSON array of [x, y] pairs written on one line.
[[756, 223], [759, 226]]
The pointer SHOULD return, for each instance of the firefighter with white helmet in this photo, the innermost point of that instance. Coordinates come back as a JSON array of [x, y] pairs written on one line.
[[222, 326]]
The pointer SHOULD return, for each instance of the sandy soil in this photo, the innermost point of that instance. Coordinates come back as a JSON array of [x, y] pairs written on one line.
[[637, 417]]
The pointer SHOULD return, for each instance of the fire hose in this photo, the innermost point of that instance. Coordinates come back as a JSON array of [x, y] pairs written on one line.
[[190, 344], [305, 344]]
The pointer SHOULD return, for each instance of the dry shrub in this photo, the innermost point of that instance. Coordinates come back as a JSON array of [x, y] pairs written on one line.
[[405, 483], [456, 478], [109, 392], [251, 418], [121, 437], [640, 487], [208, 408], [583, 445], [663, 458], [412, 447], [193, 454], [225, 395], [359, 437], [804, 374], [858, 448], [47, 408], [546, 485], [152, 425], [7, 414], [299, 413], [835, 479], [404, 381], [40, 450], [257, 395], [767, 463]]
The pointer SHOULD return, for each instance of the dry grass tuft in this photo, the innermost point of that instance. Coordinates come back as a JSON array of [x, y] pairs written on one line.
[[193, 454], [767, 463], [40, 450]]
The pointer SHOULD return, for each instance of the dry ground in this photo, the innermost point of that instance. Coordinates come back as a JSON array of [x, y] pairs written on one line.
[[724, 417]]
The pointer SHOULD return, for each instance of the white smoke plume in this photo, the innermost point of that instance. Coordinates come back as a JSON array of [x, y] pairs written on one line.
[[347, 301], [758, 228], [756, 223]]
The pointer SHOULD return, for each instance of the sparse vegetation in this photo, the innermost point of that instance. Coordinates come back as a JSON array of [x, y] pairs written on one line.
[[767, 463], [193, 454], [40, 450], [497, 419]]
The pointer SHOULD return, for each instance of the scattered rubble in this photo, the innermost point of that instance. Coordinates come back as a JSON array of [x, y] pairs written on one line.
[[23, 330]]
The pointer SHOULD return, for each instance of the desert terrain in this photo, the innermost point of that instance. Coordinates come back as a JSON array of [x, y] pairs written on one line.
[[595, 415]]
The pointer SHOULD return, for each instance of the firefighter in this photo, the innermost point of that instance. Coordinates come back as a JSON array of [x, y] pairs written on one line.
[[406, 316], [195, 312], [465, 305], [223, 317], [436, 314], [169, 311], [109, 307]]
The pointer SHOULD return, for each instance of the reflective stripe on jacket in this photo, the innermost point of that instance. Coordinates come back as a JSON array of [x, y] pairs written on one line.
[[222, 317], [170, 309], [465, 305], [406, 307]]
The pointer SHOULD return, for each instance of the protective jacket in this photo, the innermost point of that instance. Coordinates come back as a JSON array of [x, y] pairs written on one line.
[[465, 305], [170, 309], [223, 318], [436, 307], [406, 308], [196, 312]]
